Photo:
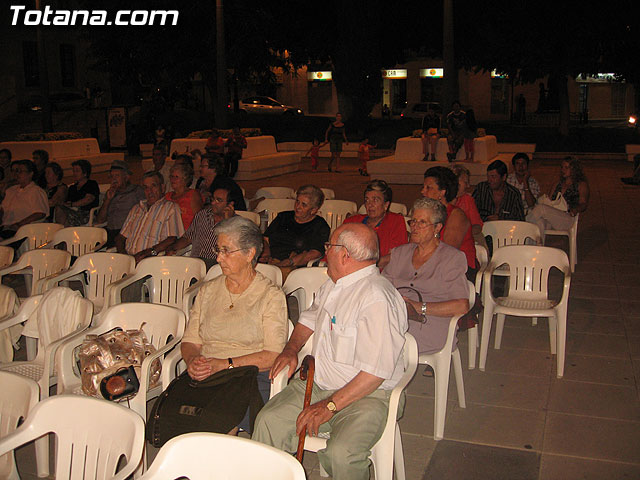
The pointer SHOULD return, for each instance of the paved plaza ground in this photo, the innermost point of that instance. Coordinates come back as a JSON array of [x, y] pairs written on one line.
[[521, 422]]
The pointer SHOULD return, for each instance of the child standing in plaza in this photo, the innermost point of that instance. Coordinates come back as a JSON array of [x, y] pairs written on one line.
[[363, 155], [314, 153], [235, 144]]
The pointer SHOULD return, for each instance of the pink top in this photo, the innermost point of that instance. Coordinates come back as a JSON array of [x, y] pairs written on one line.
[[184, 202], [392, 230], [468, 205]]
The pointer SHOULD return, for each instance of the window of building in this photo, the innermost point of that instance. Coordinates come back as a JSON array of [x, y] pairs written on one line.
[[30, 59], [67, 65], [499, 96]]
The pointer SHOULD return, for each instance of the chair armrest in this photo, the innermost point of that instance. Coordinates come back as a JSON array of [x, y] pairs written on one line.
[[14, 268], [113, 291], [146, 363], [22, 435], [52, 349], [279, 382], [169, 367], [51, 281], [11, 240], [189, 296], [22, 315], [64, 358]]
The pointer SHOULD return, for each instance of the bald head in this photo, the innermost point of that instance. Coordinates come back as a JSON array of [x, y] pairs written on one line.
[[355, 247]]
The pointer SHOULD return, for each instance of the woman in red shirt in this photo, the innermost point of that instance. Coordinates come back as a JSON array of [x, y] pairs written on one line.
[[390, 227], [441, 184]]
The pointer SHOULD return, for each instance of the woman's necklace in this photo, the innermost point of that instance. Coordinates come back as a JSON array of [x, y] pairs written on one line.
[[231, 305]]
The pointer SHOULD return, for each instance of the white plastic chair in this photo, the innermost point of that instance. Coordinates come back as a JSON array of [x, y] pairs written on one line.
[[96, 271], [79, 240], [17, 398], [92, 435], [529, 268], [329, 194], [272, 272], [441, 364], [400, 208], [387, 452], [335, 211], [169, 278], [482, 255], [163, 326], [509, 232], [34, 234], [303, 283], [198, 455], [43, 368], [6, 256], [253, 216], [572, 234], [273, 206], [38, 264], [275, 192]]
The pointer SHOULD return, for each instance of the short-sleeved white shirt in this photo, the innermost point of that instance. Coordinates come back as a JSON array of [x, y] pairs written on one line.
[[359, 324], [19, 203]]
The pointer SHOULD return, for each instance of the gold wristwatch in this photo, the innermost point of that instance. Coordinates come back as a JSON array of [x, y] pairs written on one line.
[[332, 407]]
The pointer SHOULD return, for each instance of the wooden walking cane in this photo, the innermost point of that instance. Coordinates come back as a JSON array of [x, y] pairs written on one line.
[[307, 369]]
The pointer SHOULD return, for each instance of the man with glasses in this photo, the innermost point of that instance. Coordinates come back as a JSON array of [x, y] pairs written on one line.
[[359, 320], [200, 233]]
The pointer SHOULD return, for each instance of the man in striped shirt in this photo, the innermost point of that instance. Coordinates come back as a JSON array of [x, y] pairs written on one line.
[[495, 198], [153, 224]]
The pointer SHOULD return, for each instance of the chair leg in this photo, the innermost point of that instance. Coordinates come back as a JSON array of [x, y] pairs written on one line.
[[398, 455], [457, 371], [473, 345], [573, 250], [553, 328], [562, 339], [487, 318], [441, 371], [499, 328], [534, 321], [42, 456]]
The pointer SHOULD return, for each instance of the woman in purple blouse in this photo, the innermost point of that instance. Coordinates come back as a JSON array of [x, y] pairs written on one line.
[[434, 269]]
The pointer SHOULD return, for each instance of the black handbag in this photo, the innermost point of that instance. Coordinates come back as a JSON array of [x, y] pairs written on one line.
[[123, 384], [216, 404]]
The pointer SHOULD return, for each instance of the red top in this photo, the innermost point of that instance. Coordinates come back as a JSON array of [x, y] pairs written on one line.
[[468, 205], [468, 246], [392, 230], [184, 202], [363, 152], [215, 145]]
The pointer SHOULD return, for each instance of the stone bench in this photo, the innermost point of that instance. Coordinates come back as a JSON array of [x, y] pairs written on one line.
[[65, 152], [631, 150], [350, 150], [259, 160], [513, 148], [406, 165]]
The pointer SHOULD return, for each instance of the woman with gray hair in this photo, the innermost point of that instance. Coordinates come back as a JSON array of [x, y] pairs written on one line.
[[297, 236], [430, 275], [188, 199], [240, 317]]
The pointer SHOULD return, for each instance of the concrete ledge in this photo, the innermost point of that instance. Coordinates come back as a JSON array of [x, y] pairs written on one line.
[[256, 146], [513, 148], [100, 163], [631, 151], [350, 150], [411, 172], [264, 166]]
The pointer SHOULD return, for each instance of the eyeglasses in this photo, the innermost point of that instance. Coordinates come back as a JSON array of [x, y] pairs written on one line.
[[413, 223], [328, 245], [225, 251]]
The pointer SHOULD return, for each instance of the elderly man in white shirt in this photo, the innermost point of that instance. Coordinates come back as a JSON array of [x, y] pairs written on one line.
[[359, 320]]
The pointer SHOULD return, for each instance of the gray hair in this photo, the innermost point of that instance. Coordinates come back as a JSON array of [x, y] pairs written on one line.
[[185, 170], [315, 193], [359, 247], [438, 212], [244, 233]]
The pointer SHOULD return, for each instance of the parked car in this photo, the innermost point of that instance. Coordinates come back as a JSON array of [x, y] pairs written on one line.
[[419, 110], [265, 106], [59, 102]]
